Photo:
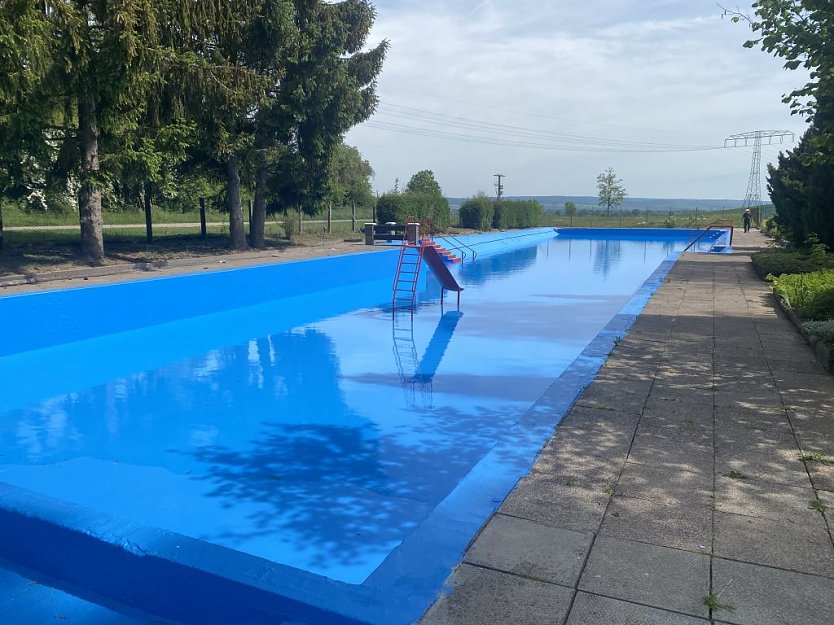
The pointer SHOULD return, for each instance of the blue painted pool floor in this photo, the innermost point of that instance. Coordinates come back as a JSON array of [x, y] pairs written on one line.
[[25, 601], [346, 436]]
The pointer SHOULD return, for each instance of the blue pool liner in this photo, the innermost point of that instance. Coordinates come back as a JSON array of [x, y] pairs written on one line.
[[113, 561]]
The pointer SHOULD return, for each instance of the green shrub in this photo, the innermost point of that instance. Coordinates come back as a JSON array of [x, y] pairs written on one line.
[[768, 226], [477, 213], [811, 295], [821, 330], [399, 207], [779, 262], [516, 214], [391, 207], [482, 213]]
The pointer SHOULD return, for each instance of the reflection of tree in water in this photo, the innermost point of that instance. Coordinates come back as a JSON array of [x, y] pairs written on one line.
[[329, 479], [266, 427], [607, 255], [338, 492], [487, 267]]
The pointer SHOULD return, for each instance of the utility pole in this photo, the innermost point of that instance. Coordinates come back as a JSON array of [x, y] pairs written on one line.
[[753, 197], [499, 187]]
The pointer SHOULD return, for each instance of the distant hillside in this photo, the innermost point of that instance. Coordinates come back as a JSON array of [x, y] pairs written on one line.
[[557, 202]]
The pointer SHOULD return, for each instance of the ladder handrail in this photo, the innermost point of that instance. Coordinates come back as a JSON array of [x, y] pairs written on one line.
[[415, 274], [460, 245], [715, 225]]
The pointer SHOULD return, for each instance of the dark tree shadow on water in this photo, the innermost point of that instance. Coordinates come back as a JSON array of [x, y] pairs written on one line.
[[264, 429], [341, 484], [343, 490]]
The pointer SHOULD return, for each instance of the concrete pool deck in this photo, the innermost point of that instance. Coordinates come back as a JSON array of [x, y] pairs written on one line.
[[678, 475]]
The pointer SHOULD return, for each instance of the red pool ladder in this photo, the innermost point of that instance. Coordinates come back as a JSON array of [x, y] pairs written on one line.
[[412, 252], [408, 273]]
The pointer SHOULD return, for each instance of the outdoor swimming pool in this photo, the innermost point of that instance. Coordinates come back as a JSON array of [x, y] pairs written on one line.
[[275, 435]]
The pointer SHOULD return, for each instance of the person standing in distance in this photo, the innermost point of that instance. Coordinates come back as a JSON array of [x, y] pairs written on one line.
[[747, 219]]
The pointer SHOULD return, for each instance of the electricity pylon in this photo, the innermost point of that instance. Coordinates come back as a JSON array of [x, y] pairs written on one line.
[[753, 198]]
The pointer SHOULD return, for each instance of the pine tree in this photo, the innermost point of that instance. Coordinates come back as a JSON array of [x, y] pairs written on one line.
[[328, 86]]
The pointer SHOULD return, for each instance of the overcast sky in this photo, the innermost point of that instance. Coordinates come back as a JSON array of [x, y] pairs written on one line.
[[585, 80]]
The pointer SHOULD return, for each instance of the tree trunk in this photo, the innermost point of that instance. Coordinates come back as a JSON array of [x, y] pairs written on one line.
[[1, 226], [256, 226], [237, 235], [148, 218], [89, 197], [202, 218]]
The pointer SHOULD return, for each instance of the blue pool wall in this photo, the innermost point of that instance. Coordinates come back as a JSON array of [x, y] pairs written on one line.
[[189, 580], [50, 318], [640, 234]]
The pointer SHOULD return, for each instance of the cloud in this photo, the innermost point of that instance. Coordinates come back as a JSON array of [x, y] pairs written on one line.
[[668, 72]]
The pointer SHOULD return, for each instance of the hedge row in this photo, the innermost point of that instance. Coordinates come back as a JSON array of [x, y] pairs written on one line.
[[779, 262], [399, 207], [482, 213]]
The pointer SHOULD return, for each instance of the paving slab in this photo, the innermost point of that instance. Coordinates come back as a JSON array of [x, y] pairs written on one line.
[[685, 454], [776, 439], [798, 546], [678, 410], [759, 499], [666, 483], [822, 477], [653, 576], [811, 424], [766, 596], [698, 431], [530, 550], [775, 466], [484, 597], [572, 508], [591, 609], [679, 524], [804, 364], [683, 393]]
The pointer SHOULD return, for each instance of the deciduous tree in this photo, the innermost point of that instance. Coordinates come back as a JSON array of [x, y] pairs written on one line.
[[800, 32], [611, 190]]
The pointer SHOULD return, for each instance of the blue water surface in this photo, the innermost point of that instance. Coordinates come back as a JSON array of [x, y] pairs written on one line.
[[317, 431]]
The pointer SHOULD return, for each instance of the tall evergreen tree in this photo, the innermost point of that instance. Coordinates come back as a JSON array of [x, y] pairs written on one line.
[[329, 85], [24, 61], [104, 57], [801, 188], [104, 66], [252, 50]]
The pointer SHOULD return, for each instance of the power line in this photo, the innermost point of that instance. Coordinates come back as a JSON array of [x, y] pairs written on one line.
[[541, 116], [443, 119], [572, 146]]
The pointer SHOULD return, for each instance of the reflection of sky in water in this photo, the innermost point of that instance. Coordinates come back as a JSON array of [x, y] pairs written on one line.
[[322, 444]]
